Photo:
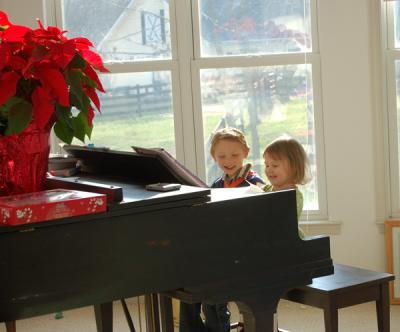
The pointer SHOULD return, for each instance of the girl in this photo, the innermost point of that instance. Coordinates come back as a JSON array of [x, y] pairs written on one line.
[[286, 166]]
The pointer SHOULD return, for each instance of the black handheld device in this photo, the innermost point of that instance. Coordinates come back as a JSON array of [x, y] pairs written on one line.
[[163, 186]]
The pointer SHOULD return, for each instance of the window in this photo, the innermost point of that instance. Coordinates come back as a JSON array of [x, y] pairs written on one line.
[[153, 28], [257, 67], [181, 69], [134, 39], [391, 22]]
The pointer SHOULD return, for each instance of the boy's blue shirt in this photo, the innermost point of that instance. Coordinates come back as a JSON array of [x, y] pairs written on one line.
[[252, 177]]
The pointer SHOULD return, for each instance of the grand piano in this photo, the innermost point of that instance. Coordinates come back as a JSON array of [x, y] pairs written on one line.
[[193, 243]]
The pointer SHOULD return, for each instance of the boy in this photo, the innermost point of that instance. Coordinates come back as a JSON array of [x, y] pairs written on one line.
[[229, 149]]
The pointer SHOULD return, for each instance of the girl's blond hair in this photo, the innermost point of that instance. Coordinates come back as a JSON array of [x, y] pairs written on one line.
[[231, 134], [287, 148]]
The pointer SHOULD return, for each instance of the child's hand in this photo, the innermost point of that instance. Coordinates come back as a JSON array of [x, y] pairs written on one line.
[[254, 189]]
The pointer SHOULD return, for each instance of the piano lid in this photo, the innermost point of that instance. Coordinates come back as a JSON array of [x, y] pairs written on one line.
[[146, 166], [132, 172]]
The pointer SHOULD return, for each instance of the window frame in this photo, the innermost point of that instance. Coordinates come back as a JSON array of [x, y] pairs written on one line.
[[312, 58], [185, 65], [54, 16], [390, 55]]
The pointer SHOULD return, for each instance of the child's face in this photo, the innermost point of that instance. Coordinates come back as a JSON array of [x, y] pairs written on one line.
[[278, 173], [229, 155]]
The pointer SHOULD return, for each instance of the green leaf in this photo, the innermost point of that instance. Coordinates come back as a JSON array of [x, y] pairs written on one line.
[[12, 101], [75, 101], [89, 131], [3, 115], [80, 125], [89, 82], [78, 98], [77, 62], [74, 79], [85, 104], [74, 76], [63, 132], [64, 115], [19, 115], [64, 128]]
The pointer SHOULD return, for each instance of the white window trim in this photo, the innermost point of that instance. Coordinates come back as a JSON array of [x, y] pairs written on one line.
[[389, 56]]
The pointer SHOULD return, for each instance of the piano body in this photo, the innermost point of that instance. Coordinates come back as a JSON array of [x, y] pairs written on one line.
[[243, 249]]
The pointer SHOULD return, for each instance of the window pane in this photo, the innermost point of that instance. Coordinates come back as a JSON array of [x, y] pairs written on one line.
[[265, 103], [237, 27], [396, 12], [121, 30], [136, 110]]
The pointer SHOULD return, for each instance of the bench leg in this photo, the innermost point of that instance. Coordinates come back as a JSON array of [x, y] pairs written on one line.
[[331, 317], [11, 326], [383, 308]]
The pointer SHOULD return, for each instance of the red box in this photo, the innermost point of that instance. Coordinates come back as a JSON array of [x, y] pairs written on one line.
[[48, 205]]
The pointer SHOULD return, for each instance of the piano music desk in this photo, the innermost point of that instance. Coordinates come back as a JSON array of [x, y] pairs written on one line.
[[348, 286]]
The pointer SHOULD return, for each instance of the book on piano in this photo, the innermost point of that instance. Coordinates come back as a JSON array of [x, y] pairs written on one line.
[[48, 205], [179, 170]]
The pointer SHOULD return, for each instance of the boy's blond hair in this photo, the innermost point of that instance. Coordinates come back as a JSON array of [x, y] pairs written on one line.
[[231, 134], [287, 148]]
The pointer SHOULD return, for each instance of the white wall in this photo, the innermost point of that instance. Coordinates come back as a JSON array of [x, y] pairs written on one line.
[[24, 12], [348, 33], [353, 145]]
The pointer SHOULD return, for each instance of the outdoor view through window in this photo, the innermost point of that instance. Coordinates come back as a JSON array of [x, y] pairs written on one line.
[[264, 88]]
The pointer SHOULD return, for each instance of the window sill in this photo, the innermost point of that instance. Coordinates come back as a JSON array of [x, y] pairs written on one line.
[[324, 227]]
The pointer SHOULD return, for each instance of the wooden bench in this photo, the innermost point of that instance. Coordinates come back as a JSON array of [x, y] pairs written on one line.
[[346, 287]]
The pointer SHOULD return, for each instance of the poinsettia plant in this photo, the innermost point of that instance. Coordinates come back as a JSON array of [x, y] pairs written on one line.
[[47, 79]]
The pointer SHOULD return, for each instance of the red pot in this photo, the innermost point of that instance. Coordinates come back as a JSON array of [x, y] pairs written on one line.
[[24, 161]]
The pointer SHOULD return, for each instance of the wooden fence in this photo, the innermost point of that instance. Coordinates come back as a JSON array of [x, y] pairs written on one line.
[[137, 100]]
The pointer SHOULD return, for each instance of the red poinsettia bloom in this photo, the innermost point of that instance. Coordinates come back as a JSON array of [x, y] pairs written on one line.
[[44, 76]]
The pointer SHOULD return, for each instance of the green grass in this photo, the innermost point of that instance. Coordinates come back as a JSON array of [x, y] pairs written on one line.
[[158, 130], [146, 131]]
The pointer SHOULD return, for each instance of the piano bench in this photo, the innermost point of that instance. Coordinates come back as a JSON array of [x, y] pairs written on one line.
[[346, 287]]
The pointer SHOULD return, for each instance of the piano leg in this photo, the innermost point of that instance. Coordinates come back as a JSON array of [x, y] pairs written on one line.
[[166, 314], [11, 326], [258, 311], [104, 316], [256, 321], [152, 312]]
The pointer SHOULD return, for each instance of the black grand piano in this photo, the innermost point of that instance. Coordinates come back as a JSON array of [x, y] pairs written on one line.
[[207, 247]]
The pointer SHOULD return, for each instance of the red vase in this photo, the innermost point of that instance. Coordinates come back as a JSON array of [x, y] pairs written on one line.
[[24, 161]]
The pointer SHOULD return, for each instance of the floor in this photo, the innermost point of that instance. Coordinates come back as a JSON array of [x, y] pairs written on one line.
[[291, 316]]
